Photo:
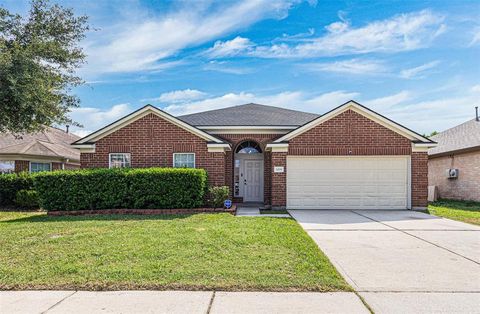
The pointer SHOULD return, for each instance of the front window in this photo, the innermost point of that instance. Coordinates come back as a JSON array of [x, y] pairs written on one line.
[[184, 160], [120, 160], [249, 147], [40, 166], [7, 166]]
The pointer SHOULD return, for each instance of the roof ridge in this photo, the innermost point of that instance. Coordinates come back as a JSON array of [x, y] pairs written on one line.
[[248, 104], [28, 146], [40, 142]]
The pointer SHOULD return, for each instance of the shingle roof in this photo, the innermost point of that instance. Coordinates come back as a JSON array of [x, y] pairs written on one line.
[[463, 136], [249, 115], [51, 142]]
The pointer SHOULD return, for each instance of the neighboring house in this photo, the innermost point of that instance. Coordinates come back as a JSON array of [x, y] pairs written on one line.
[[458, 148], [42, 151], [350, 157]]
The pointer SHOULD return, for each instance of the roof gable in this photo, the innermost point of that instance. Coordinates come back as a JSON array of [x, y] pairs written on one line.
[[364, 111], [140, 113], [249, 115]]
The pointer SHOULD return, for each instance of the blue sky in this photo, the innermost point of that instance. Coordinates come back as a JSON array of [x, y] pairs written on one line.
[[415, 61]]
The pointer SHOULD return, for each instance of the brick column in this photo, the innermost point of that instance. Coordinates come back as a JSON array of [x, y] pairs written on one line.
[[419, 179], [56, 166], [279, 180], [22, 165]]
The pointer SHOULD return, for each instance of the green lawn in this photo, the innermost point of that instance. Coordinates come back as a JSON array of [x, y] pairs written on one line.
[[196, 252], [273, 211], [465, 211]]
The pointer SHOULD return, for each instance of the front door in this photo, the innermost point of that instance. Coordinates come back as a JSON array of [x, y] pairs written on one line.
[[253, 181]]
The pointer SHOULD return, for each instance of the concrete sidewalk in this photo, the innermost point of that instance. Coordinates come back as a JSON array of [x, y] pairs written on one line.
[[144, 302]]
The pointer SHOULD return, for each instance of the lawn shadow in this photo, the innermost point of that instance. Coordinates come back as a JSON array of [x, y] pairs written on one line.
[[111, 217]]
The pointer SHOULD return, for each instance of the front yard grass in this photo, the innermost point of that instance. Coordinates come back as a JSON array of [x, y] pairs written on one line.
[[192, 252], [466, 211], [273, 212]]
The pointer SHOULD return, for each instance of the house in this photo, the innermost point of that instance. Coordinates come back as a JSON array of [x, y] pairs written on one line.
[[458, 148], [41, 151], [350, 157]]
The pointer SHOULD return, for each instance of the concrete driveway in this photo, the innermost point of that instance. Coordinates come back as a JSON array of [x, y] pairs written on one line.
[[401, 261]]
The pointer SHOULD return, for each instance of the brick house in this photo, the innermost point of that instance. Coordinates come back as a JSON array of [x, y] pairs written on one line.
[[349, 157], [41, 151], [458, 148]]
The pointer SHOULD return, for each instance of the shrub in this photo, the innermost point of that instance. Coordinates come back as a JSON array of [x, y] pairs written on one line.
[[10, 184], [27, 199], [121, 188], [217, 195]]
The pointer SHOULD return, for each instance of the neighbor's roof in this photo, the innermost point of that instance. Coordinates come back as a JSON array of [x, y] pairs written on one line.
[[51, 142], [462, 137], [249, 115]]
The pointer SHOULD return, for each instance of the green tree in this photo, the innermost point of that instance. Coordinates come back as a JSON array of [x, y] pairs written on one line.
[[39, 56]]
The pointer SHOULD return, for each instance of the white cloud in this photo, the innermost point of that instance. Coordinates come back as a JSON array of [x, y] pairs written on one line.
[[229, 48], [390, 100], [180, 96], [353, 66], [400, 33], [476, 37], [225, 67], [290, 99], [476, 88], [419, 71], [141, 45], [94, 118]]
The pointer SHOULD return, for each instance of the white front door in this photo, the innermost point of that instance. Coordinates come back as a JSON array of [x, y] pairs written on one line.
[[253, 191]]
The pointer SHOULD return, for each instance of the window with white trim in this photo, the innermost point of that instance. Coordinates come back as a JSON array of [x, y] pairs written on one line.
[[184, 160], [119, 160], [40, 166], [7, 166]]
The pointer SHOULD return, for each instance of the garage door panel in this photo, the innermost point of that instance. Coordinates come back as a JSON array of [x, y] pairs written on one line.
[[347, 182]]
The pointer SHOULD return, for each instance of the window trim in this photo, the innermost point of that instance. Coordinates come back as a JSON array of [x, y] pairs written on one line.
[[110, 160], [194, 159], [38, 162]]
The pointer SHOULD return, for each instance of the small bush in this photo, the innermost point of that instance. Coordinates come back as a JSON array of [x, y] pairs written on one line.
[[121, 188], [217, 195], [27, 199], [10, 184]]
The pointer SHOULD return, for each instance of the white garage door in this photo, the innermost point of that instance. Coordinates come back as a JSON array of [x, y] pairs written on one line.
[[362, 182]]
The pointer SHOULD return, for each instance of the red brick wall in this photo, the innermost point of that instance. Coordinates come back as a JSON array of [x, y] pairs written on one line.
[[56, 166], [419, 179], [279, 180], [151, 141], [466, 186], [22, 165], [349, 133], [235, 140]]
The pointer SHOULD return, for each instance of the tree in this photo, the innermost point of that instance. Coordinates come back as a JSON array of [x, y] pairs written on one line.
[[430, 135], [39, 55]]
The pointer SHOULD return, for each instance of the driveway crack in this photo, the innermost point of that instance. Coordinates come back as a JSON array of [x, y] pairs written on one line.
[[211, 303], [63, 299]]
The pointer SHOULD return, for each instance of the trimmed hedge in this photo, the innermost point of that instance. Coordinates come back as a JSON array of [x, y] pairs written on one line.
[[10, 184], [121, 188], [27, 199]]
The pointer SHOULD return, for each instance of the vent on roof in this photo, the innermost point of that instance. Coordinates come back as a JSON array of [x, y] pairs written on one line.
[[476, 113]]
